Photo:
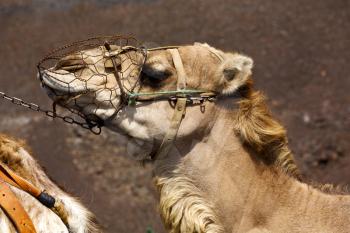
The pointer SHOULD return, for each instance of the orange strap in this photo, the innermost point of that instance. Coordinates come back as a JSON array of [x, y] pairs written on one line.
[[13, 179], [14, 209]]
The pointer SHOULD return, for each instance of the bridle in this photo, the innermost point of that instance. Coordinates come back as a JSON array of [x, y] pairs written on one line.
[[181, 96]]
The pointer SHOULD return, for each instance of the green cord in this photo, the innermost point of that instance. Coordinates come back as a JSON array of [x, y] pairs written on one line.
[[149, 230], [133, 96], [185, 91]]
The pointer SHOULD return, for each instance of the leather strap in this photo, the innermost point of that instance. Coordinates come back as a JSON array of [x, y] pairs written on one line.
[[180, 70], [180, 108], [11, 178], [170, 136], [14, 209]]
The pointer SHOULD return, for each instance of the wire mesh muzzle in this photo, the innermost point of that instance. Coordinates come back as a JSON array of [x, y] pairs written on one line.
[[100, 69]]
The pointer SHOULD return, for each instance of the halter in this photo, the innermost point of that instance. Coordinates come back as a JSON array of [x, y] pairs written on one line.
[[182, 96], [115, 51]]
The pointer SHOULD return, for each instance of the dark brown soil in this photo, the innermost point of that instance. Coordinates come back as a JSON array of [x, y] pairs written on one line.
[[301, 51]]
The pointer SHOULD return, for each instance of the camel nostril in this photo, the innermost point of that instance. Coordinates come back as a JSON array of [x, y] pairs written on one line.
[[70, 63]]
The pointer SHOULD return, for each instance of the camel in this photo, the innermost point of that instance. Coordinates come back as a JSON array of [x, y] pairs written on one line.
[[227, 167], [15, 157]]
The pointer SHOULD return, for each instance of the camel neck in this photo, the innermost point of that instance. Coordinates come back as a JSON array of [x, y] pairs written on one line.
[[244, 190], [237, 189], [241, 188]]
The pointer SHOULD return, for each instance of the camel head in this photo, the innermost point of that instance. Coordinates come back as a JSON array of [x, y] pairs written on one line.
[[85, 81]]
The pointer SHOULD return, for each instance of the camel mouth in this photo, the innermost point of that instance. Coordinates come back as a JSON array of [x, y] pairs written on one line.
[[62, 83]]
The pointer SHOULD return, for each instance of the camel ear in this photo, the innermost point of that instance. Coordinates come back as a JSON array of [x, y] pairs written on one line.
[[236, 70]]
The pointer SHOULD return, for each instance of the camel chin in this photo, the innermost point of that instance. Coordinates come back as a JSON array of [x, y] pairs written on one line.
[[138, 150]]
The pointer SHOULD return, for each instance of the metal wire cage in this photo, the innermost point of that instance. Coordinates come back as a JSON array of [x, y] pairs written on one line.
[[81, 64]]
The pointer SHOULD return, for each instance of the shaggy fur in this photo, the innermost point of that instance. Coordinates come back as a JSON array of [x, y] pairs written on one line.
[[182, 206], [14, 155], [262, 133]]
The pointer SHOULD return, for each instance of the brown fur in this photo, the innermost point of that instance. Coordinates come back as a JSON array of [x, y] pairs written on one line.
[[12, 156], [183, 207], [262, 133]]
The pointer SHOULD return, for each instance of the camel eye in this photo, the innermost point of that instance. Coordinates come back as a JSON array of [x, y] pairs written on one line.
[[154, 78], [155, 73]]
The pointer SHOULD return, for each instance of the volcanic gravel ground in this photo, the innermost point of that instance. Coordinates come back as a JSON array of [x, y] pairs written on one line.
[[301, 51]]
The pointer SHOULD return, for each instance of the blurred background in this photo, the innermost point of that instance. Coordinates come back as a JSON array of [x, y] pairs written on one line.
[[301, 51]]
